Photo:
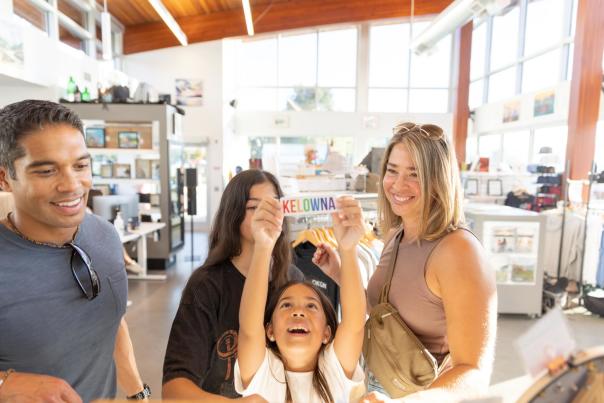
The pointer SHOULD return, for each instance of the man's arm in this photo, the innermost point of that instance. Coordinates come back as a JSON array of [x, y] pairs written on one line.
[[127, 372]]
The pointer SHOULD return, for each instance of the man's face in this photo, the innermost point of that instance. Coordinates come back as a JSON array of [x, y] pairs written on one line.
[[52, 180]]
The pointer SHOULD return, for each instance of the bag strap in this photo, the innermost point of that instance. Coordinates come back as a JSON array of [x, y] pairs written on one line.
[[386, 288]]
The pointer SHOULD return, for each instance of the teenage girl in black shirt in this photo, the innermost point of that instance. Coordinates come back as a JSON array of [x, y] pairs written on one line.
[[202, 348]]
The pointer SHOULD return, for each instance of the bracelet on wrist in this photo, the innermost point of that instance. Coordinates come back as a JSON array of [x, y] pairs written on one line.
[[6, 375]]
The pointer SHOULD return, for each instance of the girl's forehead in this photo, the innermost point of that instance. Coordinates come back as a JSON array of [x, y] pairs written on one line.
[[299, 290]]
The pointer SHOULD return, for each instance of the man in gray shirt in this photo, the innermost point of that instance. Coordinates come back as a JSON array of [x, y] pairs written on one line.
[[63, 286]]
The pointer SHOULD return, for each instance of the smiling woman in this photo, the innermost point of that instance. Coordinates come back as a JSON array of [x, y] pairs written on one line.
[[443, 289]]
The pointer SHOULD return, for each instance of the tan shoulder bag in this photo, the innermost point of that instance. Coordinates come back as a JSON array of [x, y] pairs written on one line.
[[394, 355]]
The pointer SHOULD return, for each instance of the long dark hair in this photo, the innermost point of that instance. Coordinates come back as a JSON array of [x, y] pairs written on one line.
[[225, 236], [319, 382]]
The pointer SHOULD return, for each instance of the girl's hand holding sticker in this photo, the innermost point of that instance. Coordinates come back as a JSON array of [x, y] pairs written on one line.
[[267, 223], [348, 223]]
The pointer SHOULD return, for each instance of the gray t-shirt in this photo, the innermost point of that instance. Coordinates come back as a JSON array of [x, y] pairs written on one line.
[[47, 326]]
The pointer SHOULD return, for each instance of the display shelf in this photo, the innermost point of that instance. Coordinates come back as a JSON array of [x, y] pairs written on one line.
[[514, 254], [159, 140], [124, 151], [516, 283], [133, 181], [514, 242]]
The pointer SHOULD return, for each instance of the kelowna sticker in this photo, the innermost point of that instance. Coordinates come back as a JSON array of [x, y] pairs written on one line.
[[304, 205]]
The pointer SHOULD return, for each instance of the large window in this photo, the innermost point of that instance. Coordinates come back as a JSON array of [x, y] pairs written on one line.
[[546, 146], [541, 72], [504, 42], [512, 55], [312, 70], [544, 25], [549, 146], [516, 149], [400, 81]]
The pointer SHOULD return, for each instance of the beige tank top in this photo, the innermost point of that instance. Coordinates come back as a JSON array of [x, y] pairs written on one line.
[[421, 310]]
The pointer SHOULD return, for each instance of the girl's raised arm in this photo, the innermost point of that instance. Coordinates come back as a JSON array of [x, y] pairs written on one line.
[[266, 229], [349, 229]]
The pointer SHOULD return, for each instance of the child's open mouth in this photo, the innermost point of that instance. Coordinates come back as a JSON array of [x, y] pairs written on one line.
[[298, 330]]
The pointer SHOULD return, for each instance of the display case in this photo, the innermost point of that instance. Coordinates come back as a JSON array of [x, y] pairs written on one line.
[[140, 146], [513, 240]]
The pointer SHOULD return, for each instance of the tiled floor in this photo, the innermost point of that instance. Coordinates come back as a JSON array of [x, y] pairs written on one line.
[[154, 304]]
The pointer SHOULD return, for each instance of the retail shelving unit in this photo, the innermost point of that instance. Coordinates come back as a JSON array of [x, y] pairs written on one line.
[[163, 145], [514, 243]]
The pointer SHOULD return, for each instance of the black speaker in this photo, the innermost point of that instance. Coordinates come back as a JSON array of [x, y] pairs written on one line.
[[191, 177], [191, 183]]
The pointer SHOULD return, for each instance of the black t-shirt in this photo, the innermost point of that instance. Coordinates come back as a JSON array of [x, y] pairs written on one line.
[[303, 254], [203, 341]]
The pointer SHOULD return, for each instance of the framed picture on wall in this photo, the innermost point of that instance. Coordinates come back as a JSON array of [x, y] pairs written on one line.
[[142, 168], [105, 189], [494, 187], [127, 139], [107, 171], [121, 171], [95, 137], [471, 187]]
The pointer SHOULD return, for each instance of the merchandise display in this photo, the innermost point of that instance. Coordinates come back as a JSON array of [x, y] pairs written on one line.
[[514, 241]]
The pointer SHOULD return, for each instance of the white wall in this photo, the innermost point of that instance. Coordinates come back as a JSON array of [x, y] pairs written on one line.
[[160, 68], [47, 67]]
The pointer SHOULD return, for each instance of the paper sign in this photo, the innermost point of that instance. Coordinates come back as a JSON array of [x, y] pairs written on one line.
[[306, 205], [546, 340]]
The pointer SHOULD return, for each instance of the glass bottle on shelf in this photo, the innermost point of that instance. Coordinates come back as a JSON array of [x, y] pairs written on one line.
[[86, 95], [71, 89]]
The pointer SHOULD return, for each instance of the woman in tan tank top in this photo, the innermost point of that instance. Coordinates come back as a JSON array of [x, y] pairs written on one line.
[[442, 286]]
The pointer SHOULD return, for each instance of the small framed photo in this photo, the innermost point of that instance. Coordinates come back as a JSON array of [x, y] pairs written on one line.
[[121, 171], [95, 137], [471, 187], [105, 189], [107, 171], [494, 187], [127, 139], [142, 169]]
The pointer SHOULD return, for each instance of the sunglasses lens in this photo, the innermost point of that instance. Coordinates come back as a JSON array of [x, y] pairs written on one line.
[[86, 277]]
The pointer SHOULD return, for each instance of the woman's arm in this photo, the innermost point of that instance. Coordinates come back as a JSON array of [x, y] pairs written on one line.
[[466, 284], [266, 228], [349, 229]]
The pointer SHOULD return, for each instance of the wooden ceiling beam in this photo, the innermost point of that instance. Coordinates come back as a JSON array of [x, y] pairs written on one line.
[[282, 16]]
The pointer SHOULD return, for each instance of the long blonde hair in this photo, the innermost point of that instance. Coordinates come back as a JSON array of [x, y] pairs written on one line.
[[441, 199]]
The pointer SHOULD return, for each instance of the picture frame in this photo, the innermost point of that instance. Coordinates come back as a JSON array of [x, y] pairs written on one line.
[[105, 189], [122, 171], [544, 103], [95, 137], [142, 169], [107, 171], [471, 187], [494, 187], [127, 139]]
